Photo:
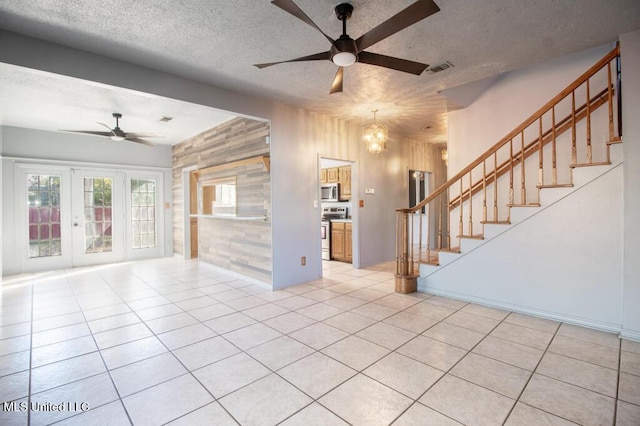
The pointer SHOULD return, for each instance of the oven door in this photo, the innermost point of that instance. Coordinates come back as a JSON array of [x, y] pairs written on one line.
[[325, 237]]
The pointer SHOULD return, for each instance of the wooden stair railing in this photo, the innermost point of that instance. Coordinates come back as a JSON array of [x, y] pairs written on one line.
[[472, 195]]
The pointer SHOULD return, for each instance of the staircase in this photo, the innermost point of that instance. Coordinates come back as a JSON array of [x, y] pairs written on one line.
[[544, 164]]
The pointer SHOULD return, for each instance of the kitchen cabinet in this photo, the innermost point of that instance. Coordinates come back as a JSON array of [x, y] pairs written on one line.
[[341, 175], [345, 183], [341, 245], [194, 237], [333, 175], [348, 240]]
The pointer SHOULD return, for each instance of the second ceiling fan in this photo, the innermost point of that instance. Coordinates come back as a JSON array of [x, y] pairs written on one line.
[[346, 51]]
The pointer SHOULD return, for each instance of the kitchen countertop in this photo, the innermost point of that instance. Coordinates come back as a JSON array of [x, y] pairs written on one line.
[[341, 220]]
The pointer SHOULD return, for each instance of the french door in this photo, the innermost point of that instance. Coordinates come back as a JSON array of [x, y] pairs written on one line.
[[98, 227], [76, 217], [42, 217]]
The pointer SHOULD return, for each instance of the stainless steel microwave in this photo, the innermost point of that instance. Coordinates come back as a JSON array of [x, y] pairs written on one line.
[[329, 192]]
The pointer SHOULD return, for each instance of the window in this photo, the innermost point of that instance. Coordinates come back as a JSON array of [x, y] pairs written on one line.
[[219, 196], [98, 235], [143, 213], [43, 193]]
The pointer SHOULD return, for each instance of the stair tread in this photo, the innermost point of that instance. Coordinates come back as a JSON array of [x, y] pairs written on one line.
[[449, 250], [557, 185], [603, 163], [495, 222], [524, 205], [614, 141], [473, 237]]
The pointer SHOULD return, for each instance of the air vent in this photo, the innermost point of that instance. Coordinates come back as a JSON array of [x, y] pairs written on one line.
[[166, 119], [437, 68]]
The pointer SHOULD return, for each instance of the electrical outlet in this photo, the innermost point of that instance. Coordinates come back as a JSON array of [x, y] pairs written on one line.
[[303, 260]]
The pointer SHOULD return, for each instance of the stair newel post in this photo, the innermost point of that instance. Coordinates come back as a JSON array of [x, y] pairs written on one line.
[[523, 190], [470, 205], [511, 171], [554, 170], [406, 280], [484, 190], [574, 148], [495, 186], [540, 154], [589, 153]]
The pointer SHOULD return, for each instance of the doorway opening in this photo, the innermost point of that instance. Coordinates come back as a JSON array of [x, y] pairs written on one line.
[[338, 215]]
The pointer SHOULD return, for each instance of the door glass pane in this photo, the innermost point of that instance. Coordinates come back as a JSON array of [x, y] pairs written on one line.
[[143, 217], [97, 193], [43, 211]]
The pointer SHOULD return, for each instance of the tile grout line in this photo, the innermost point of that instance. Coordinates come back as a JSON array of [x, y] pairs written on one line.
[[189, 372], [616, 402], [533, 372], [102, 358], [30, 358], [417, 400]]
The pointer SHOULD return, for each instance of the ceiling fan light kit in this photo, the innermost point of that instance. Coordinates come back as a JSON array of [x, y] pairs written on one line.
[[346, 51]]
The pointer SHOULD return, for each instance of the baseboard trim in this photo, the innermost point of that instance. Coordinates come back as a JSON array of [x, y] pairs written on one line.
[[630, 335], [584, 322], [238, 275]]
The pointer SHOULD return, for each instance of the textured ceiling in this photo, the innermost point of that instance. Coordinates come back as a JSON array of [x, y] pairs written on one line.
[[218, 41]]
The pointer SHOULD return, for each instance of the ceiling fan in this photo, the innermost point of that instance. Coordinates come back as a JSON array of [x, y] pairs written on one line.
[[346, 51], [116, 134]]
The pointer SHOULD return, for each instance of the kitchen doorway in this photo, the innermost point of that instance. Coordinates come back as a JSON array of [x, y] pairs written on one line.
[[338, 213]]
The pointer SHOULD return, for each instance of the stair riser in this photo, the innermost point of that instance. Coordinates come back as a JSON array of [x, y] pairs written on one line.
[[551, 195], [467, 244]]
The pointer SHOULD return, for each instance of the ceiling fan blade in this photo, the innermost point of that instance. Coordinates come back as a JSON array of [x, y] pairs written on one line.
[[292, 8], [337, 82], [110, 129], [315, 57], [142, 141], [409, 16], [142, 135], [88, 132], [392, 63]]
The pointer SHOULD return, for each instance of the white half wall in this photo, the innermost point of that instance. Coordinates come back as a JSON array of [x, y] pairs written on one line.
[[564, 262]]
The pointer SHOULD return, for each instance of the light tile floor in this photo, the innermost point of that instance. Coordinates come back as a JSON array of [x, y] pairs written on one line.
[[176, 342]]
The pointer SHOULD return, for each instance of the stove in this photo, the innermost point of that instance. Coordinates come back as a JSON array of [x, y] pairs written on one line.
[[329, 213]]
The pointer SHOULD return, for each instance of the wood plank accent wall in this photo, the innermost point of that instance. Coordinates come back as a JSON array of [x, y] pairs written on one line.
[[238, 246]]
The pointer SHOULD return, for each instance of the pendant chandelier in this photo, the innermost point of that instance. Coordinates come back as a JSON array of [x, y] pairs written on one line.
[[375, 135]]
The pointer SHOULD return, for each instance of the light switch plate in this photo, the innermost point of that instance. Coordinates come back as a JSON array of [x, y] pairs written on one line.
[[369, 191]]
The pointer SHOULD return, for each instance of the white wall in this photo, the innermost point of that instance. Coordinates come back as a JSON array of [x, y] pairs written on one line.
[[39, 144], [1, 205], [505, 105], [29, 145], [630, 53], [564, 262], [511, 100], [297, 138]]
